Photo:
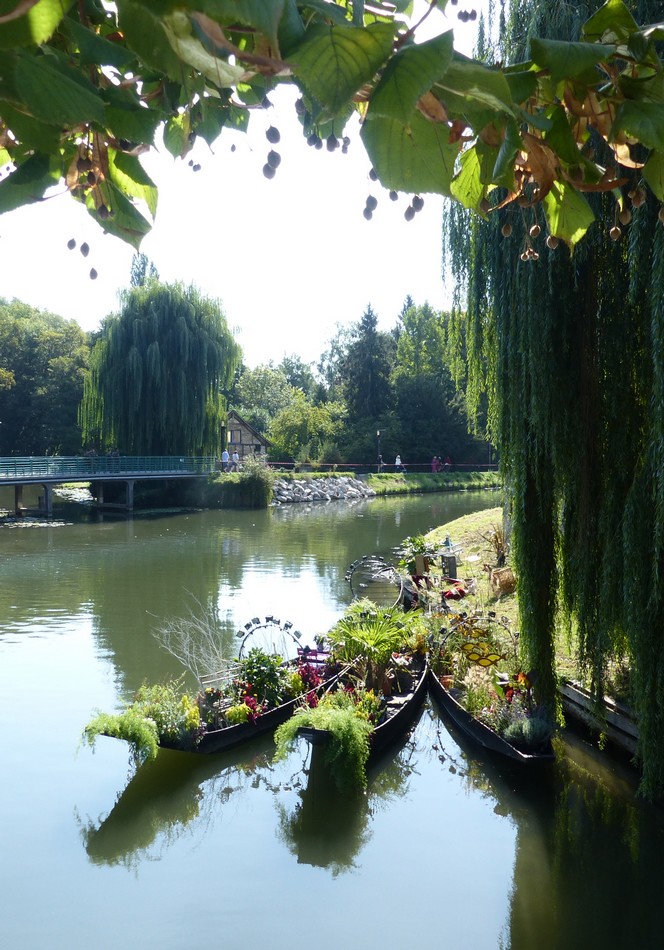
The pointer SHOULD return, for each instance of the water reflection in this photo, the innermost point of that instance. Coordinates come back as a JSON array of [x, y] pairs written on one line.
[[586, 846], [165, 797], [180, 793], [327, 828]]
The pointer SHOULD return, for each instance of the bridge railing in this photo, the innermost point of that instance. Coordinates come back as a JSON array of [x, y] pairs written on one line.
[[77, 466]]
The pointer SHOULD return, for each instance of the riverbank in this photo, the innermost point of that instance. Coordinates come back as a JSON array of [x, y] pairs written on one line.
[[480, 537], [392, 483]]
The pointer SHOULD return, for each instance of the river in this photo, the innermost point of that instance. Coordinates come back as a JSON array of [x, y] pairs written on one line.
[[447, 848]]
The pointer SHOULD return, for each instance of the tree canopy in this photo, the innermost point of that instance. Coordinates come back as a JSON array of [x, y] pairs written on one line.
[[86, 85], [43, 361], [157, 372]]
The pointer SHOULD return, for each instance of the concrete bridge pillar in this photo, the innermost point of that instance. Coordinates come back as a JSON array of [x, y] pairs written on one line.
[[48, 500], [129, 497], [18, 500]]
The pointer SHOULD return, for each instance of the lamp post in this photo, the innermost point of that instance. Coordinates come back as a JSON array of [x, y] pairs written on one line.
[[380, 460]]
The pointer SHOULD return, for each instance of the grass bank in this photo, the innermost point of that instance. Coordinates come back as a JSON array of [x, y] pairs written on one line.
[[478, 535], [390, 483]]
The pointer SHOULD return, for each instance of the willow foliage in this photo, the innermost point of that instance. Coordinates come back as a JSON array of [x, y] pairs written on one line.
[[157, 373], [570, 350]]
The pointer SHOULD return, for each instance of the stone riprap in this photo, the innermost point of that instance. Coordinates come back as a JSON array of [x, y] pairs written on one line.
[[287, 491]]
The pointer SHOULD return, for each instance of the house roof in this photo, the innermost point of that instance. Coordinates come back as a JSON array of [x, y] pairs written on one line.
[[237, 418]]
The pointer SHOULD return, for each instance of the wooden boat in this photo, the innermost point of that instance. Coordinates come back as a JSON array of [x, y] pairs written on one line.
[[218, 740], [478, 731], [399, 714], [617, 722]]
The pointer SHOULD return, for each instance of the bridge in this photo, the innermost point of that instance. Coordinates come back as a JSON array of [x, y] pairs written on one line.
[[52, 470]]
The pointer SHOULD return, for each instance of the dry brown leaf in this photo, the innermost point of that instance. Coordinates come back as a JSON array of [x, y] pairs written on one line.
[[432, 108]]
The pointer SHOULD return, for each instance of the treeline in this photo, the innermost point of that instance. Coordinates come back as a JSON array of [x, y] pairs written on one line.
[[43, 362], [390, 392], [63, 391]]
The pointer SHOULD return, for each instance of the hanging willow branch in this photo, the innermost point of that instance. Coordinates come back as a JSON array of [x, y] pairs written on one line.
[[156, 374], [570, 351]]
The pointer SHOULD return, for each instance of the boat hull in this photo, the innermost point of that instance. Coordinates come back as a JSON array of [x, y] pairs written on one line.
[[218, 740], [477, 731], [402, 712], [617, 723]]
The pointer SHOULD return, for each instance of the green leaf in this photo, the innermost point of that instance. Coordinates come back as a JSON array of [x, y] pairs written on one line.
[[34, 27], [648, 89], [409, 75], [263, 15], [190, 50], [291, 28], [146, 36], [128, 174], [472, 90], [643, 121], [30, 132], [127, 119], [125, 221], [561, 138], [333, 62], [568, 60], [522, 82], [503, 170], [329, 11], [28, 183], [176, 135], [613, 23], [415, 158], [56, 94], [653, 172], [568, 214], [94, 49], [467, 185]]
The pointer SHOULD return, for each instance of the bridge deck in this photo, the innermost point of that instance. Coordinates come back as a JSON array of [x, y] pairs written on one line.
[[55, 469]]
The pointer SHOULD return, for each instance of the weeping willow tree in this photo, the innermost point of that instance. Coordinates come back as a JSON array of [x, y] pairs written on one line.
[[157, 372], [570, 349]]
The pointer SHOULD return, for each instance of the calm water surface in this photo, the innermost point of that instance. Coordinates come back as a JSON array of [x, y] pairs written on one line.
[[447, 847]]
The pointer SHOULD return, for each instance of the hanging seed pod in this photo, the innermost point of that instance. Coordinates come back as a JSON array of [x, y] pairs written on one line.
[[639, 198], [625, 216], [524, 255], [506, 230], [535, 231], [615, 233], [552, 242]]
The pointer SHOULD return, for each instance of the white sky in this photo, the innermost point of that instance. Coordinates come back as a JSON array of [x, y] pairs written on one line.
[[288, 258]]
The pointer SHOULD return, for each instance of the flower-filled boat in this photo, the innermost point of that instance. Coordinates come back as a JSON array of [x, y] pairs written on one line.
[[252, 696], [381, 687], [476, 681]]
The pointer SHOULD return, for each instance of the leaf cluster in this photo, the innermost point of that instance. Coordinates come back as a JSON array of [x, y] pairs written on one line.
[[347, 751], [86, 86]]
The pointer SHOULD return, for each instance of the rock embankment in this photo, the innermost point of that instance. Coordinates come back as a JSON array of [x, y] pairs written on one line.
[[287, 491]]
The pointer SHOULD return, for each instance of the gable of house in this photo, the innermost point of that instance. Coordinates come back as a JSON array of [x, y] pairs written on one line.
[[243, 438]]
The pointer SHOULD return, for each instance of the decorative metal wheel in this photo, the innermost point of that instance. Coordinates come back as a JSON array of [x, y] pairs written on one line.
[[269, 634], [373, 577]]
